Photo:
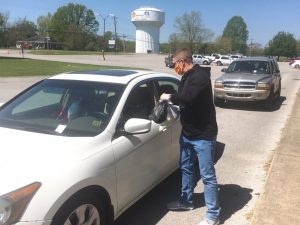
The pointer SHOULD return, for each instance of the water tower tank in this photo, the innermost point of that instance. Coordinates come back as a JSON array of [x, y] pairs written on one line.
[[148, 22]]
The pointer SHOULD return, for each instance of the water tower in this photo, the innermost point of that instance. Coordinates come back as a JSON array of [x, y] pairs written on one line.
[[148, 22]]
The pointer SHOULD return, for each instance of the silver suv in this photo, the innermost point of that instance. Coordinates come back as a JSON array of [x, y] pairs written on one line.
[[249, 79], [200, 59]]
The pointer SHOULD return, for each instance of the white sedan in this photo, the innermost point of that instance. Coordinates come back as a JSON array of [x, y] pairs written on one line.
[[79, 148], [295, 63]]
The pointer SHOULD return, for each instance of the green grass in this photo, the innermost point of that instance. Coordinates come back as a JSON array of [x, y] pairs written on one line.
[[10, 67]]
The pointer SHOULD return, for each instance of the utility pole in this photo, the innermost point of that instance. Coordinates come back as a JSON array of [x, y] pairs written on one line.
[[123, 36], [104, 44], [251, 44], [115, 26], [104, 20]]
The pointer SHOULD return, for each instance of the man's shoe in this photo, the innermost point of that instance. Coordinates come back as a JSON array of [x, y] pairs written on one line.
[[180, 206], [209, 222]]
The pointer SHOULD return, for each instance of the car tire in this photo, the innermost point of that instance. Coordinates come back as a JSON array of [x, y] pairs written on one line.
[[278, 92], [205, 63], [84, 205], [269, 102], [219, 63], [297, 66], [219, 102]]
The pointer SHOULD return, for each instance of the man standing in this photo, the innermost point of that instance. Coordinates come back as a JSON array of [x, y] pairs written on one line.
[[198, 134]]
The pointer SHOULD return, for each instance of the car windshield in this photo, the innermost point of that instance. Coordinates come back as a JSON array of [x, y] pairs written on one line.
[[63, 107], [249, 66]]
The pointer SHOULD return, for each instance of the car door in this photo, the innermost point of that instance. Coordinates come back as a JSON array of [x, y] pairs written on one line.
[[225, 60], [170, 86], [141, 159], [276, 76]]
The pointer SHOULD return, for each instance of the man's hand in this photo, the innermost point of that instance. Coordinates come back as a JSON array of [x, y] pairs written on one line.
[[165, 97]]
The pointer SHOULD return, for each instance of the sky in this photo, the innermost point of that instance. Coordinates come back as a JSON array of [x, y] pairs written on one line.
[[264, 18]]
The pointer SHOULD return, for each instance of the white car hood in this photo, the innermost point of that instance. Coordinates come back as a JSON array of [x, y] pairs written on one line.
[[27, 157]]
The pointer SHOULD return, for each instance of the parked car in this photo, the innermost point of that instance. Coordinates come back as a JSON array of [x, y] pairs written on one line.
[[80, 147], [295, 62], [169, 61], [212, 56], [249, 79], [234, 57], [223, 60], [200, 59]]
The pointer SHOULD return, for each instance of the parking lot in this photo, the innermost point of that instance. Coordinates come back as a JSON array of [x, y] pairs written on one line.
[[248, 132]]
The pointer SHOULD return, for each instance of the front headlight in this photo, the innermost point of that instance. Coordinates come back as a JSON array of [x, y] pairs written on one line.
[[263, 86], [219, 84], [13, 204]]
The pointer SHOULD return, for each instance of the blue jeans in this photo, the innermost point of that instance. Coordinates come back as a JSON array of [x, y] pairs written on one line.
[[204, 150]]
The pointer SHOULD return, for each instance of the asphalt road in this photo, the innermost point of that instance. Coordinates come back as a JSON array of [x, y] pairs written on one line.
[[248, 132]]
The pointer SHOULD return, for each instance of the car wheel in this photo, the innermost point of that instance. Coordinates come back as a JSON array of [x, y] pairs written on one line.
[[278, 92], [219, 63], [269, 102], [297, 66], [205, 63], [219, 102], [80, 210]]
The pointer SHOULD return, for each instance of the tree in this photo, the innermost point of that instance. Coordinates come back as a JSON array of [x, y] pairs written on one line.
[[43, 23], [191, 30], [282, 44], [223, 45], [3, 28], [255, 49], [236, 31], [73, 25], [298, 48], [21, 30], [175, 42]]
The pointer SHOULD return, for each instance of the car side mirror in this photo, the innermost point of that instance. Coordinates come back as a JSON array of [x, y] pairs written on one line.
[[137, 126], [223, 70]]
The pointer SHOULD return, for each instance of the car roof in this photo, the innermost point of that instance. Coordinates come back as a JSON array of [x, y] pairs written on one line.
[[254, 58], [120, 76]]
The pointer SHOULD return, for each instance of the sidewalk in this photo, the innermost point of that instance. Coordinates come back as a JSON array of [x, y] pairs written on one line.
[[279, 204]]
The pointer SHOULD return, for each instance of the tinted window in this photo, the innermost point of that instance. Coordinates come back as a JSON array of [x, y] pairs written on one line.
[[139, 104], [167, 86]]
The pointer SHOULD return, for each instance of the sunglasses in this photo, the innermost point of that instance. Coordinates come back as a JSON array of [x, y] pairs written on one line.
[[178, 60]]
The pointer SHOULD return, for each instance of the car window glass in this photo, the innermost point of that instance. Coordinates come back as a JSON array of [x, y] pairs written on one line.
[[41, 98], [139, 103], [167, 86], [71, 108], [249, 66]]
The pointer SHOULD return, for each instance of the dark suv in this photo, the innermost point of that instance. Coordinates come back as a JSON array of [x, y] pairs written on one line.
[[169, 61], [249, 79]]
